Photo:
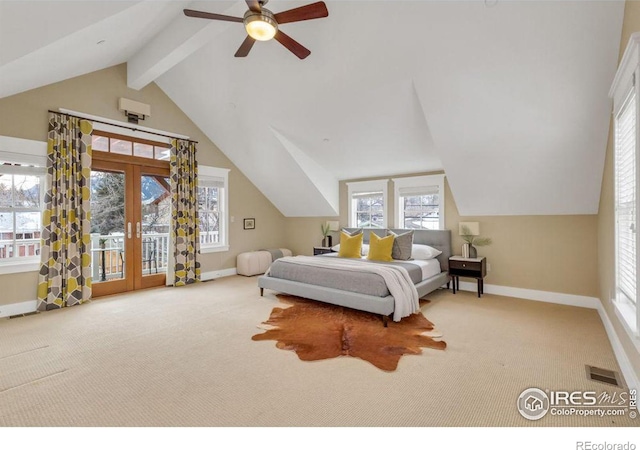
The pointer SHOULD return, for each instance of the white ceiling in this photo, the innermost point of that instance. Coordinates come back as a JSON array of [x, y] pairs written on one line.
[[509, 98]]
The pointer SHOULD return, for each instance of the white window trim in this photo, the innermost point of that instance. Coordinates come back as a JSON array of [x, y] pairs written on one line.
[[627, 78], [23, 151], [20, 266], [217, 172], [355, 187], [627, 314], [418, 182]]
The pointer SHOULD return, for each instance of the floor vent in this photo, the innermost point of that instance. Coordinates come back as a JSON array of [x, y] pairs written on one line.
[[604, 376], [23, 315]]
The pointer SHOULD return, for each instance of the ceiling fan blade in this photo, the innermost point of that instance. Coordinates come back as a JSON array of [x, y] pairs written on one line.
[[292, 45], [312, 11], [245, 47], [254, 5], [207, 15]]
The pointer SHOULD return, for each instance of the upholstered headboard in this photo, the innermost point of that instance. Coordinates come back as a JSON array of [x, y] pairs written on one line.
[[439, 239]]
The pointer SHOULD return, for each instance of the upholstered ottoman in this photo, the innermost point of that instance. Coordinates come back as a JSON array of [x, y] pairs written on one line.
[[256, 263]]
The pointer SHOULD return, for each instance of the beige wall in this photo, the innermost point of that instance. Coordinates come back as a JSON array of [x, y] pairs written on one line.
[[25, 116], [546, 253], [606, 233]]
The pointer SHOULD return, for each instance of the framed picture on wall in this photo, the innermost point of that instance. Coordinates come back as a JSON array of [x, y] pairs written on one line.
[[249, 224]]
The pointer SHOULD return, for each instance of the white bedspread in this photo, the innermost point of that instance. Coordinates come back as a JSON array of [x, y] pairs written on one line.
[[397, 279]]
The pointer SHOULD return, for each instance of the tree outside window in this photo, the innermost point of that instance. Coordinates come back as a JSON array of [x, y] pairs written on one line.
[[369, 209], [209, 214], [420, 212]]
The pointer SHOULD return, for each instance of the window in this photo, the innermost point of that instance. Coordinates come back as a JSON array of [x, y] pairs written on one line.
[[419, 202], [625, 200], [212, 208], [22, 174], [367, 204], [625, 187], [624, 92], [102, 141]]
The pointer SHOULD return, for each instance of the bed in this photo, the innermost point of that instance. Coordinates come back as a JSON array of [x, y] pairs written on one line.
[[365, 292]]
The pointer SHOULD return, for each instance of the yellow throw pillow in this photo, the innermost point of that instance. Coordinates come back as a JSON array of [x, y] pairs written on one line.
[[380, 248], [350, 246]]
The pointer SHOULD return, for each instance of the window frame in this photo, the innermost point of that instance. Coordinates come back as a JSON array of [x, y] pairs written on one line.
[[623, 86], [419, 182], [217, 173], [357, 187], [34, 153]]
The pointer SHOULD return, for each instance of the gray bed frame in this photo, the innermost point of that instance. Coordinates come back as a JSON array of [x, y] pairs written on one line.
[[440, 239]]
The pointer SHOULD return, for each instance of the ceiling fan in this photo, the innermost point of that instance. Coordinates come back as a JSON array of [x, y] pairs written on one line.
[[262, 25]]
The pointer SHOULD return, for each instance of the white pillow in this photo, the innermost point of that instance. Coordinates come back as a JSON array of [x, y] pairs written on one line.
[[421, 251], [363, 252]]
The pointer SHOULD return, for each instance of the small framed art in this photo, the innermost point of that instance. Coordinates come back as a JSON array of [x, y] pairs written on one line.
[[249, 224]]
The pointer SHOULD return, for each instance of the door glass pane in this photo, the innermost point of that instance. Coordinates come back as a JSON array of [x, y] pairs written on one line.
[[156, 218], [162, 153], [121, 147], [143, 150], [107, 225], [100, 143]]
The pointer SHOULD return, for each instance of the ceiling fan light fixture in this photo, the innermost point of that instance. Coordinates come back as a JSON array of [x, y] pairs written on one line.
[[260, 26]]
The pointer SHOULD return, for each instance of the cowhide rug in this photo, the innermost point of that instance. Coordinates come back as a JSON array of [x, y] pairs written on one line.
[[316, 330]]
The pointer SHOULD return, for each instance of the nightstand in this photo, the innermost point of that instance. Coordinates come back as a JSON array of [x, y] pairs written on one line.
[[321, 250], [468, 268]]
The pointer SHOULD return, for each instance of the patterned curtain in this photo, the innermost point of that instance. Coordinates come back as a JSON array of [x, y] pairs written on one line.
[[65, 271], [184, 212]]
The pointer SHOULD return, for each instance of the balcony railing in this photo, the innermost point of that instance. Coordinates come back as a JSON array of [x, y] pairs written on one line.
[[108, 257], [23, 248]]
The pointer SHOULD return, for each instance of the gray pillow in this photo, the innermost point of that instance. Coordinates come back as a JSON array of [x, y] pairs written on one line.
[[354, 232], [402, 245]]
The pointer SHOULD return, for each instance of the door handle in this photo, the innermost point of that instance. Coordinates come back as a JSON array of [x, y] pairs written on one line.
[[129, 230], [138, 230]]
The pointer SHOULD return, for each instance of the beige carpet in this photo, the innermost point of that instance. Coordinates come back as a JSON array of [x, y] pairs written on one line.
[[184, 357]]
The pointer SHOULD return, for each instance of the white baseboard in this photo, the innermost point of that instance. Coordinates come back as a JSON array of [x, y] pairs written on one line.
[[15, 309], [212, 275], [531, 294], [630, 377]]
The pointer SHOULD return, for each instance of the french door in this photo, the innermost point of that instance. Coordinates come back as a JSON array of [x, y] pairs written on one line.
[[130, 220]]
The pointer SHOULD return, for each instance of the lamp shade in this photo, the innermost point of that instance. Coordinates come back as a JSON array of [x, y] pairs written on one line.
[[472, 228], [334, 225]]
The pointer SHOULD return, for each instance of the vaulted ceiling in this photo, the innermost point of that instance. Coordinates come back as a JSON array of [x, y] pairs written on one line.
[[509, 98]]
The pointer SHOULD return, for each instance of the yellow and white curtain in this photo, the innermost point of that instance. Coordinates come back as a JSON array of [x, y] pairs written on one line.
[[184, 211], [65, 271]]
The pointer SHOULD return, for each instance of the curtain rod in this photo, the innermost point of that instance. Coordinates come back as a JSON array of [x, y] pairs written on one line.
[[121, 126]]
